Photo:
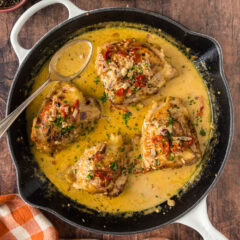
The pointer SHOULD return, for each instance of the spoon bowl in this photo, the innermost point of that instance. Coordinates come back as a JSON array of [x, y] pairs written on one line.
[[81, 57]]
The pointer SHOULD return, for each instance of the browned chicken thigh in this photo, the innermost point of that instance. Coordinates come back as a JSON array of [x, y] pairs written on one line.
[[101, 168], [131, 70], [168, 136], [65, 115]]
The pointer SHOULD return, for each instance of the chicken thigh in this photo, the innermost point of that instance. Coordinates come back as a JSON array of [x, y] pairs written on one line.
[[131, 70], [168, 136], [101, 168], [65, 115]]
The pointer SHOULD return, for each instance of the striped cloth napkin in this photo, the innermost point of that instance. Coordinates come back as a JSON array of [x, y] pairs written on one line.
[[19, 221]]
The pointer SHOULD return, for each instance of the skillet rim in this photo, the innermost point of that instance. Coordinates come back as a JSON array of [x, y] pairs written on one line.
[[223, 78]]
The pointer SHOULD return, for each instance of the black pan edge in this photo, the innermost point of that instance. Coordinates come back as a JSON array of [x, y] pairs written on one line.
[[217, 46]]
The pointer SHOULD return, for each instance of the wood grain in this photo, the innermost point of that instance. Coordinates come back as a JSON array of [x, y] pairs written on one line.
[[217, 18]]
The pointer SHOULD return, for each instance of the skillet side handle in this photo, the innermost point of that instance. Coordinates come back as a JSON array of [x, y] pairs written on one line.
[[198, 219], [21, 52]]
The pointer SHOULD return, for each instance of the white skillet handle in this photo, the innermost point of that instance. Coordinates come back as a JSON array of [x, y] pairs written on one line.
[[198, 219], [21, 52]]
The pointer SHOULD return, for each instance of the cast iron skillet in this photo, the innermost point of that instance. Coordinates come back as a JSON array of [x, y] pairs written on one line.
[[35, 190]]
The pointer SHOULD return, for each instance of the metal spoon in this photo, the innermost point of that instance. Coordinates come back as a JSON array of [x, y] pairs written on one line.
[[54, 75]]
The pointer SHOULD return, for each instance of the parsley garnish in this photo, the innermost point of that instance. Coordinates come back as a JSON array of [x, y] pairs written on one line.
[[58, 121], [114, 166], [89, 176], [126, 117], [67, 129], [130, 169], [97, 80], [202, 132], [104, 98], [170, 120]]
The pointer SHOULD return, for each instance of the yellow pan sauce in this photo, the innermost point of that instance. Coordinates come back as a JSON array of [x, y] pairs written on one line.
[[142, 191]]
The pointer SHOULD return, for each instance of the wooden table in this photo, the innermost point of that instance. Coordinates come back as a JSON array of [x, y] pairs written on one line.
[[217, 18]]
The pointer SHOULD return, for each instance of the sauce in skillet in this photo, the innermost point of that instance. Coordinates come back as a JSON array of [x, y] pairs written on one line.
[[142, 191]]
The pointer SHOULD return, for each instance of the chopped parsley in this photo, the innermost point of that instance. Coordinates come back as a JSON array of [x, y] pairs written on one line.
[[126, 117], [202, 132], [114, 166], [130, 169], [66, 129], [170, 120], [89, 176], [104, 98], [36, 126], [97, 80], [59, 121]]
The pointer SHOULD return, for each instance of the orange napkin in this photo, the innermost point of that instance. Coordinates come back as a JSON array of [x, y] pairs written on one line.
[[19, 221]]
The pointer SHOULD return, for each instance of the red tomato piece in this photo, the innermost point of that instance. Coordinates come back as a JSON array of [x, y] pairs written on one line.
[[120, 92]]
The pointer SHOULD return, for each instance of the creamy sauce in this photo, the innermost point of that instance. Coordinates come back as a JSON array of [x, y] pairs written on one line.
[[142, 191], [70, 59]]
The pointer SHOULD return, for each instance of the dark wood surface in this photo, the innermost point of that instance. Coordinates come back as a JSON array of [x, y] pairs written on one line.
[[217, 18]]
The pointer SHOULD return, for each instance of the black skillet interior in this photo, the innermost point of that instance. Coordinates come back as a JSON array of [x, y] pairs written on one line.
[[36, 191]]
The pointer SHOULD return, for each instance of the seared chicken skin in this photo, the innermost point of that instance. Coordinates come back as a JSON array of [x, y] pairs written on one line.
[[101, 168], [168, 137], [131, 70], [65, 115]]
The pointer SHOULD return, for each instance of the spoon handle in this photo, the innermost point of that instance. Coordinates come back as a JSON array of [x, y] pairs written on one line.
[[7, 122]]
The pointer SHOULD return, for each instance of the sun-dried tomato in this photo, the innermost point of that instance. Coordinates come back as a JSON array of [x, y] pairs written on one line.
[[187, 143], [107, 55], [176, 148], [108, 52], [137, 58], [120, 92], [103, 175], [139, 81], [76, 104], [63, 113], [99, 157], [162, 142], [123, 53]]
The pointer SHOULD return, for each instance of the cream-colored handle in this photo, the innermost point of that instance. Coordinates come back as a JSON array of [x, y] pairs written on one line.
[[198, 219], [21, 52]]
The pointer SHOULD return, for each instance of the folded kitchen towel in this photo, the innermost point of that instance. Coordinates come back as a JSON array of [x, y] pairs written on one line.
[[19, 221]]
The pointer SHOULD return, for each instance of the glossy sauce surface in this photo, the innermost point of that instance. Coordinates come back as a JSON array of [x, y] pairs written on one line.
[[142, 191]]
